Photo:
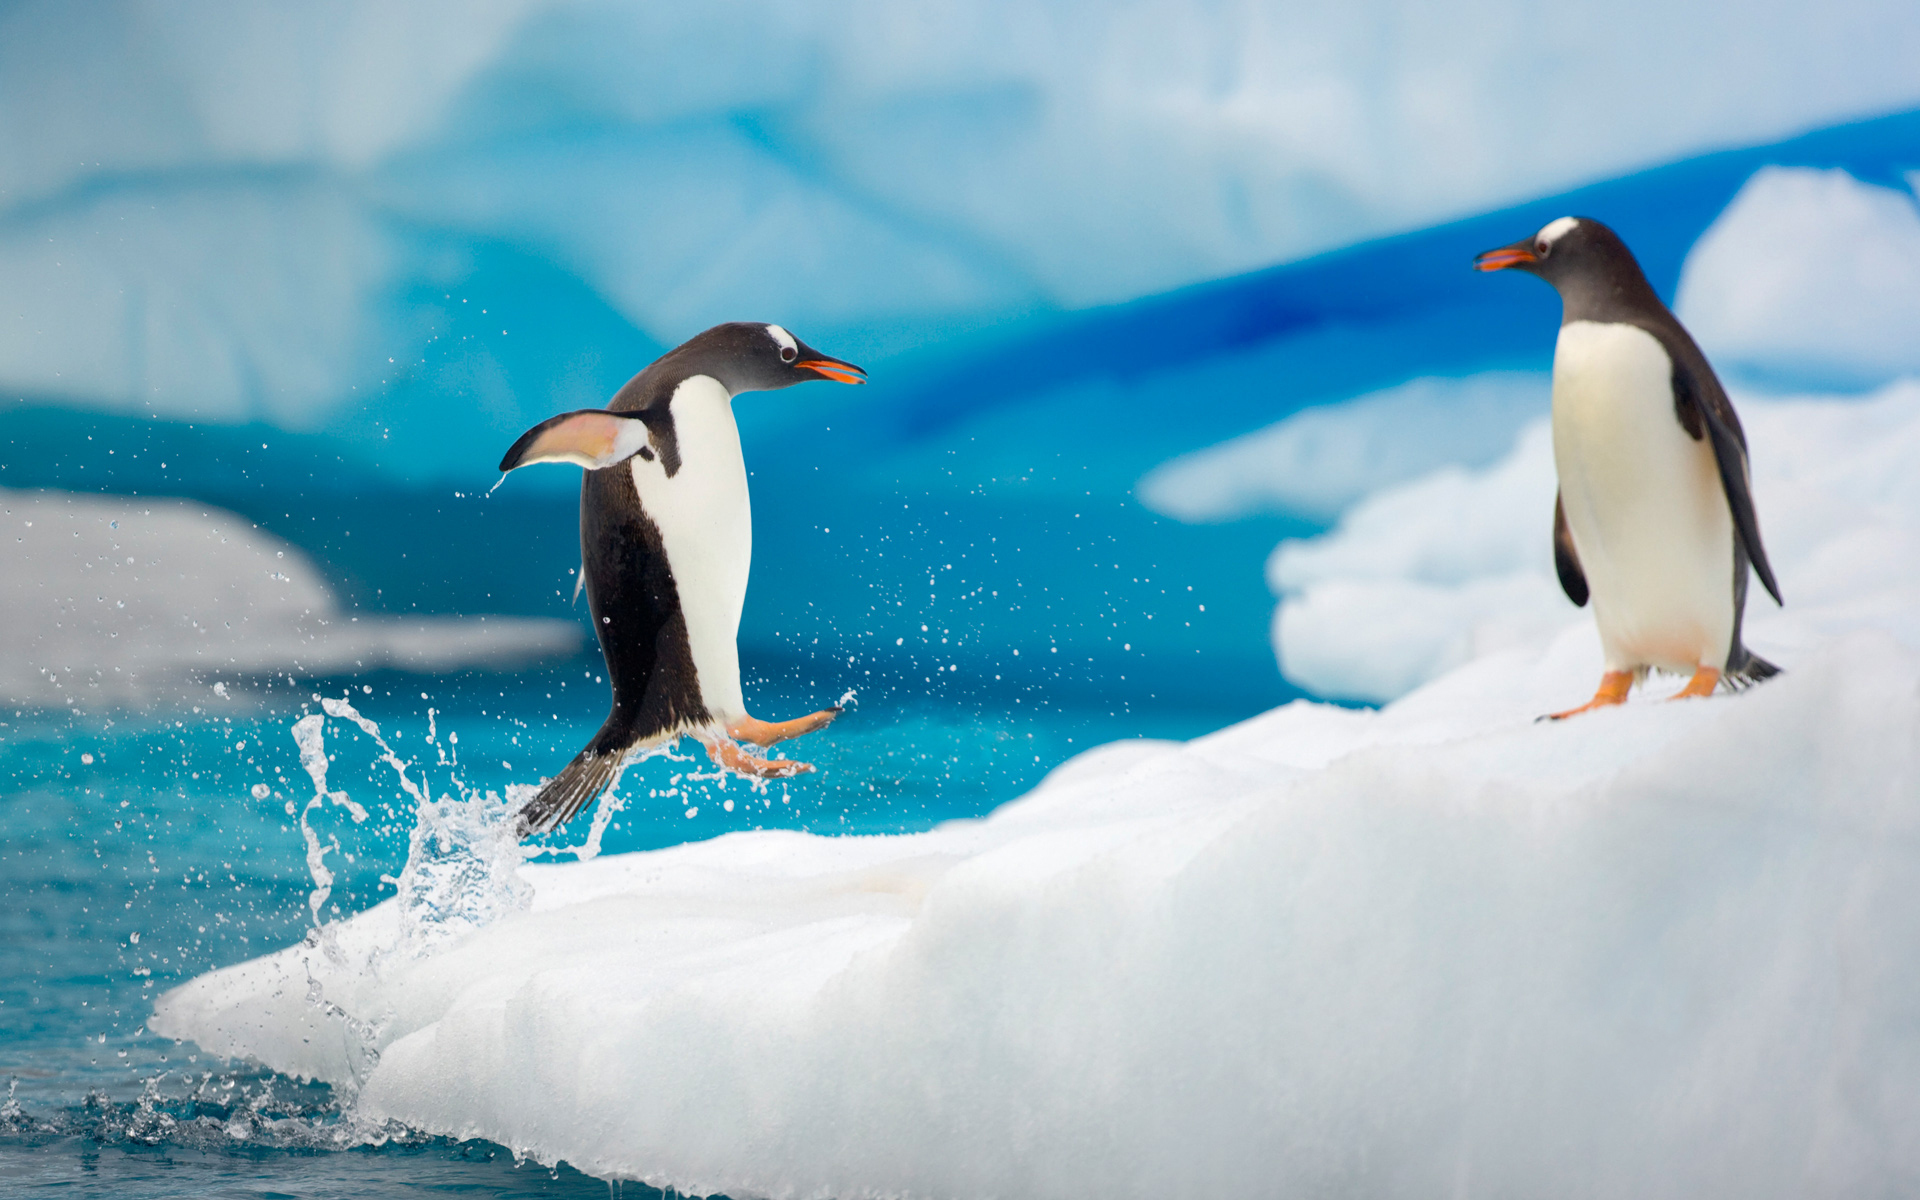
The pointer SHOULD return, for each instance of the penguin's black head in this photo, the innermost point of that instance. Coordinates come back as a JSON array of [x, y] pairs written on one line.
[[1589, 266], [748, 356], [1561, 249]]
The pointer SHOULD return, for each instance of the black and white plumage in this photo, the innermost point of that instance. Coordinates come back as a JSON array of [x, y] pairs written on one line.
[[1655, 518], [666, 540]]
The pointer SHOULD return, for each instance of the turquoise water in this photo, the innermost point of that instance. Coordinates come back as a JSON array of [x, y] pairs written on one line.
[[142, 850]]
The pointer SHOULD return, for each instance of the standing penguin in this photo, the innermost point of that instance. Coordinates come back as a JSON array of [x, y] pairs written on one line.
[[1655, 513], [666, 537]]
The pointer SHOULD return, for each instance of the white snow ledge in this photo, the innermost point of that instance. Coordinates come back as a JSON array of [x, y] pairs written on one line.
[[1665, 950]]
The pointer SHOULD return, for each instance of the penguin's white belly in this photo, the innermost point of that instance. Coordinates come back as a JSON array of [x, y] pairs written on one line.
[[1644, 502], [706, 527]]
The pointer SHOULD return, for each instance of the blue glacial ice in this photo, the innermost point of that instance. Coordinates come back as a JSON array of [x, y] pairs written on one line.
[[839, 168]]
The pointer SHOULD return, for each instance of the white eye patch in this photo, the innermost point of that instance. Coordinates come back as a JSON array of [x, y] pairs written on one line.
[[789, 348], [1553, 231]]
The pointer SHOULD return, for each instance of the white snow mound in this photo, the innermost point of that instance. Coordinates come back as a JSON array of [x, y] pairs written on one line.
[[131, 600], [1666, 950], [1418, 579], [1319, 461], [1808, 277]]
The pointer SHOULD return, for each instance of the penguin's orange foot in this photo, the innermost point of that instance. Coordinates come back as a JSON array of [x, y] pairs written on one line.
[[766, 733], [727, 753], [1613, 690], [1703, 683]]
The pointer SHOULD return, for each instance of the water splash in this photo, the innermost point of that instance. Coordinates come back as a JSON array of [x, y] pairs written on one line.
[[463, 859], [365, 1038], [308, 737], [463, 854], [220, 1112]]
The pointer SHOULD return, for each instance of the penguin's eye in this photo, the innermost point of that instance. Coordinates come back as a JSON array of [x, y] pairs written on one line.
[[1542, 247], [788, 354]]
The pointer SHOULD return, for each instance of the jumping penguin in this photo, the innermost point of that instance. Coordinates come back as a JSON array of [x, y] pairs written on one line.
[[666, 537], [1655, 513]]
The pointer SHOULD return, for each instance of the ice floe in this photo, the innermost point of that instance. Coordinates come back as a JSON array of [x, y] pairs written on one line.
[[1666, 950], [134, 600]]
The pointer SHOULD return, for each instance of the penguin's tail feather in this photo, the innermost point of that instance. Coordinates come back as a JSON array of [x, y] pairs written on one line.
[[1752, 669], [577, 785]]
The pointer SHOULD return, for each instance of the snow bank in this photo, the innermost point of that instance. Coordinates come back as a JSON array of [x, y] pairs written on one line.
[[118, 599], [1808, 276], [1318, 461], [1421, 578], [1436, 949]]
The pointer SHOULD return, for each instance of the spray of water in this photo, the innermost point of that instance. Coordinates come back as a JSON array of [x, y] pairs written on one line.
[[313, 757], [462, 856], [461, 873]]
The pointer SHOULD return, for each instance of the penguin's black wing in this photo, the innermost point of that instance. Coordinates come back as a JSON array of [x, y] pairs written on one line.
[[1699, 400], [1566, 563], [594, 438]]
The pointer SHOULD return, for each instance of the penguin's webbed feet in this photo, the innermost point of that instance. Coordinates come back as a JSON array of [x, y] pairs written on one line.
[[1705, 680], [725, 752], [766, 733], [1614, 686]]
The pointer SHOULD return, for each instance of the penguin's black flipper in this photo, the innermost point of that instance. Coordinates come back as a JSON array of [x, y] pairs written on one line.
[[593, 438], [1702, 397], [1566, 563]]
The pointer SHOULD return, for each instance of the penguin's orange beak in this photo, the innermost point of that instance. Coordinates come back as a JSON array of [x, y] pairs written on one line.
[[834, 369], [1515, 255]]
